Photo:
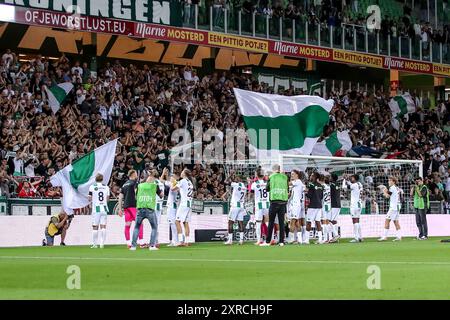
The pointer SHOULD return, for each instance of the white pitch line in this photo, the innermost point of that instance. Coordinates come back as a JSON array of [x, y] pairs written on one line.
[[438, 263]]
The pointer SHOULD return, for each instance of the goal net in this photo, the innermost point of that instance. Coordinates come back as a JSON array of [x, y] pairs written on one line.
[[373, 174]]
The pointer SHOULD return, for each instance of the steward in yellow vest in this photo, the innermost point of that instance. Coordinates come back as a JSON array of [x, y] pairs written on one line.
[[421, 195]]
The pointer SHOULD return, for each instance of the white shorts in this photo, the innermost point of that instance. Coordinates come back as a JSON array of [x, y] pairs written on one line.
[[355, 213], [314, 214], [297, 212], [334, 214], [393, 215], [236, 214], [171, 215], [99, 218], [261, 213], [183, 214]]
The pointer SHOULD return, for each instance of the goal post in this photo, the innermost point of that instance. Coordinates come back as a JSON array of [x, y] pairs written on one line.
[[373, 174]]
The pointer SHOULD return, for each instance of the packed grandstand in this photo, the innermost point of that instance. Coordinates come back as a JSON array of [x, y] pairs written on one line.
[[143, 106]]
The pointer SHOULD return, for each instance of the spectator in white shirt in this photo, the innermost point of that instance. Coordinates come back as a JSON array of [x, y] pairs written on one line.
[[77, 68]]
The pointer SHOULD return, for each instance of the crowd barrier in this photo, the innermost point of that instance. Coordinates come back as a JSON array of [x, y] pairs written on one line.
[[46, 207], [20, 231]]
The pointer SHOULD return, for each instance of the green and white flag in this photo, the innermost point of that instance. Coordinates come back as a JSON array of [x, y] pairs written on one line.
[[315, 88], [76, 178], [337, 141], [401, 106], [57, 94], [287, 125]]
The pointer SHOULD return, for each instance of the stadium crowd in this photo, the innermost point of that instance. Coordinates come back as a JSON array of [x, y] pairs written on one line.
[[143, 106], [411, 23]]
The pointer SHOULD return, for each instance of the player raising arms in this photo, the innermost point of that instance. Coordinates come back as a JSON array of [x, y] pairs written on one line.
[[326, 212], [172, 207], [237, 210], [297, 203], [99, 195], [261, 195], [393, 193], [159, 200], [314, 213], [186, 189], [355, 204], [335, 189]]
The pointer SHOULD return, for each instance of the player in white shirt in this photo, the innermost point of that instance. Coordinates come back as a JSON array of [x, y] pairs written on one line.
[[159, 200], [262, 204], [326, 210], [186, 189], [297, 207], [99, 197], [237, 210], [172, 206], [356, 190], [393, 193]]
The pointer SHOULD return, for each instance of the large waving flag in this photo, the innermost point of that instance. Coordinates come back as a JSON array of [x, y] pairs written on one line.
[[338, 141], [57, 94], [299, 120], [76, 178], [401, 106]]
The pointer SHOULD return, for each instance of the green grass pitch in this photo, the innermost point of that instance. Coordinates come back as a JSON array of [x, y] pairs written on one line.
[[410, 269]]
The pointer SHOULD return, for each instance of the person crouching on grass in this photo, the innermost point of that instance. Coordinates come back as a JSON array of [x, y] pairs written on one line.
[[146, 205], [57, 225]]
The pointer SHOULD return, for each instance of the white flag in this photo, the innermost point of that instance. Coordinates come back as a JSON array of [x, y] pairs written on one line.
[[76, 178], [283, 124], [57, 94], [337, 141]]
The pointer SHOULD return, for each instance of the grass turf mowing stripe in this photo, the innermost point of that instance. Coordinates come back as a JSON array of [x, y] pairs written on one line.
[[409, 269], [229, 260]]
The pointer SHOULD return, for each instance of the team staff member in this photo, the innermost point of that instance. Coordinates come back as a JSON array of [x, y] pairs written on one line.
[[146, 205], [127, 206], [57, 225], [278, 188], [421, 196]]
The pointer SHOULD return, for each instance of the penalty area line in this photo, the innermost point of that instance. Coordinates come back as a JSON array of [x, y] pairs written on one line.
[[437, 263]]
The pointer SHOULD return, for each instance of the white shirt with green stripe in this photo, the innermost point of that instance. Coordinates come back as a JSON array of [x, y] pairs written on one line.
[[326, 197], [100, 194], [186, 192], [259, 187], [394, 199], [159, 200], [172, 197], [238, 193], [297, 194], [355, 193]]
